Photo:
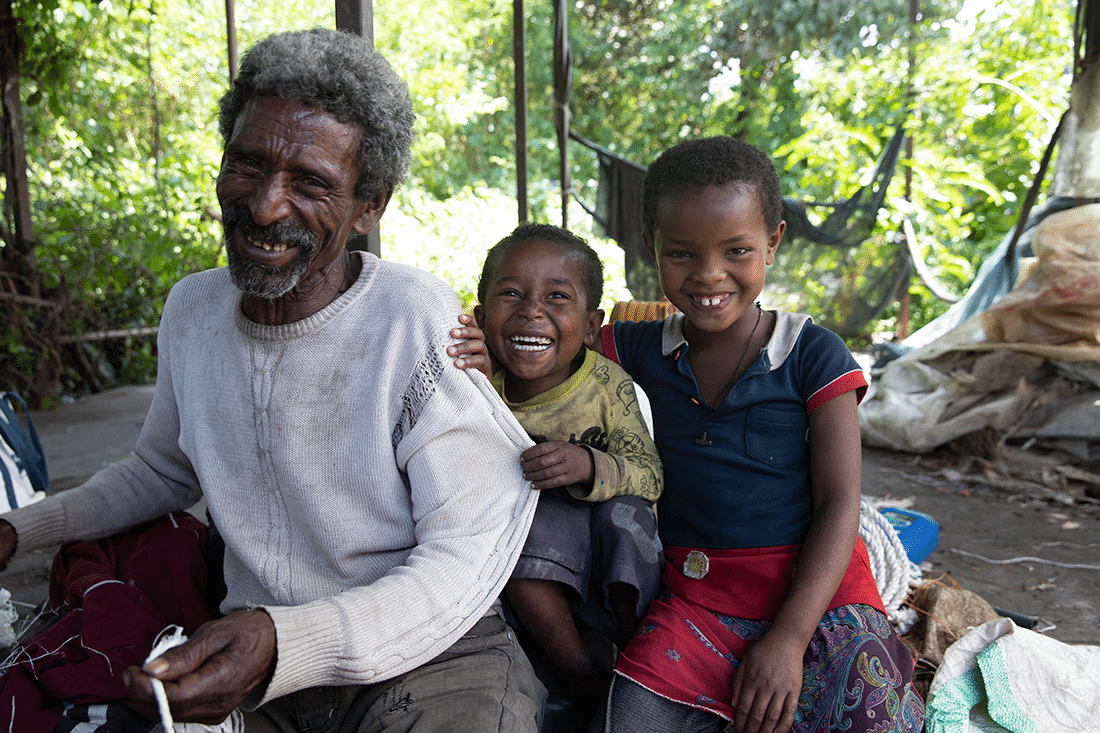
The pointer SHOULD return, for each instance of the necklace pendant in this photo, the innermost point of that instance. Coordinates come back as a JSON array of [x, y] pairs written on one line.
[[702, 439]]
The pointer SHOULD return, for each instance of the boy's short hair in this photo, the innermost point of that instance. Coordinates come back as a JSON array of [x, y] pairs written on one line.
[[711, 161], [591, 266]]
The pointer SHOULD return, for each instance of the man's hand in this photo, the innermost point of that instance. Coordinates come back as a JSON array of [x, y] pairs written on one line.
[[209, 675], [471, 353], [766, 686], [553, 464], [8, 542]]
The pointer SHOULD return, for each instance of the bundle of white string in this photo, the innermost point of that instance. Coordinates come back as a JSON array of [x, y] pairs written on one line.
[[890, 564], [8, 617], [170, 637]]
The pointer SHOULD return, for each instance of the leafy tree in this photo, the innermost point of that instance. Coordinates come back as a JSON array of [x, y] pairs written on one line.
[[821, 87], [988, 88]]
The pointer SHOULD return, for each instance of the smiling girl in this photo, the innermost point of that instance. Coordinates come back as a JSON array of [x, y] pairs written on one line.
[[768, 618]]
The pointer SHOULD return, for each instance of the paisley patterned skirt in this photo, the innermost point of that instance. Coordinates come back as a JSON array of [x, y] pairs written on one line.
[[857, 674]]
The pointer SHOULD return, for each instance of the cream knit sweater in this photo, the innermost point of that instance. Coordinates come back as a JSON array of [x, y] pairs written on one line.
[[368, 491]]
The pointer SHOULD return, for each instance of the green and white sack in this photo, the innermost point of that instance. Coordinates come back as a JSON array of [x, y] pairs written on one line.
[[1001, 677]]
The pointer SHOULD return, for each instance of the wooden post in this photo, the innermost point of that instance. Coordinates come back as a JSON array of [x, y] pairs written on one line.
[[357, 16]]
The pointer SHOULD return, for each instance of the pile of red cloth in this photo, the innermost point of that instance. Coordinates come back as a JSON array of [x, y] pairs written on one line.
[[113, 597]]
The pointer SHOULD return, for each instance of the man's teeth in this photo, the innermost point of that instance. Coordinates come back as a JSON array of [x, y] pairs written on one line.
[[709, 300], [530, 343], [267, 246]]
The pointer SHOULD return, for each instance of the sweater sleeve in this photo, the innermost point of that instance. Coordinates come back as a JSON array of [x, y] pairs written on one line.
[[630, 466], [153, 480], [471, 509]]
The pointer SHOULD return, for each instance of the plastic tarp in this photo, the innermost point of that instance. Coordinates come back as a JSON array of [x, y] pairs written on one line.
[[994, 279], [980, 373]]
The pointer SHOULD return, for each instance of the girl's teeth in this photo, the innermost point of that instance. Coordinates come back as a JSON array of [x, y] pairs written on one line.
[[706, 302]]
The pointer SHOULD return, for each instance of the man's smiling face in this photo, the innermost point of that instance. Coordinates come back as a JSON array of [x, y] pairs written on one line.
[[287, 191]]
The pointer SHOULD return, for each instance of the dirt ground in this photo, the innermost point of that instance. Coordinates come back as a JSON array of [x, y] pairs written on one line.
[[1041, 556], [1011, 549]]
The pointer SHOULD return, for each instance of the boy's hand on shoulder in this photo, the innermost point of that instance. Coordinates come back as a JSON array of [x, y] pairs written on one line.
[[554, 464], [470, 352]]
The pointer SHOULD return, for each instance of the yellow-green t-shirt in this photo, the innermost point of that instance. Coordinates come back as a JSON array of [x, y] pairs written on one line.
[[596, 407]]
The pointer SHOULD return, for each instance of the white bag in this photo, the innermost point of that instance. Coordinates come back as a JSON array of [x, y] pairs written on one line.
[[1002, 678]]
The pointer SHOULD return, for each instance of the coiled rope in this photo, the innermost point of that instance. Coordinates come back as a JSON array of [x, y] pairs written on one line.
[[890, 564]]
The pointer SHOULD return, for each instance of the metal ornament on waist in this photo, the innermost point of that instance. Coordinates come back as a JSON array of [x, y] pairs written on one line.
[[696, 565]]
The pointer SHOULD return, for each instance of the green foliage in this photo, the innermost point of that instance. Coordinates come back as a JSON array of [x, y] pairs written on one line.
[[120, 111], [977, 138], [457, 61], [450, 238], [123, 150]]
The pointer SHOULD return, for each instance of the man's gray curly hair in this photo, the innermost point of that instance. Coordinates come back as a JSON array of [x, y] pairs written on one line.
[[341, 73]]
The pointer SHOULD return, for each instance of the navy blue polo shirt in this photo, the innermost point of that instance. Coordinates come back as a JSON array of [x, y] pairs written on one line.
[[751, 486]]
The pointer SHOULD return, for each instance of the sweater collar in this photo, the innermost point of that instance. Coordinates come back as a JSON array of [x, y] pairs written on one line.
[[318, 320]]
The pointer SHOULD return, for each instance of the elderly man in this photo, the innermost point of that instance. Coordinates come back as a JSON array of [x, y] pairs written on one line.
[[368, 492]]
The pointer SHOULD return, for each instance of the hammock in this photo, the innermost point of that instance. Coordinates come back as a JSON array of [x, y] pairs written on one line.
[[852, 220]]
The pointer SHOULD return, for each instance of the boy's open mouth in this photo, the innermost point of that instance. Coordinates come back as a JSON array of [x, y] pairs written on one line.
[[530, 343]]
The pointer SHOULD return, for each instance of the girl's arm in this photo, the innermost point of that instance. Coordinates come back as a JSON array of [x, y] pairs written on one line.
[[769, 679]]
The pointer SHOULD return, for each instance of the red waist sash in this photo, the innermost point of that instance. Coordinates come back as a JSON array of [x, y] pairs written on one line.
[[752, 583]]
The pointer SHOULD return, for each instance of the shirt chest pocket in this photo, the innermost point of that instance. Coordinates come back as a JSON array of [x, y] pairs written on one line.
[[776, 437]]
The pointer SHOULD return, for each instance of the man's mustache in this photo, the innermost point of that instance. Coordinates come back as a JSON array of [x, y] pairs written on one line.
[[238, 217]]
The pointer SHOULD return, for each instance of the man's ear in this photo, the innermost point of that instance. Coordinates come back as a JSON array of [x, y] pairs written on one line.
[[592, 327], [479, 316], [372, 211]]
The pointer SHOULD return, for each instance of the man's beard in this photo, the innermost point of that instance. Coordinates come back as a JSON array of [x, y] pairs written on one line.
[[256, 279]]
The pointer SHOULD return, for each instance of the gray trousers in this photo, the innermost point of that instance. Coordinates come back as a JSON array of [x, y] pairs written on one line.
[[483, 684]]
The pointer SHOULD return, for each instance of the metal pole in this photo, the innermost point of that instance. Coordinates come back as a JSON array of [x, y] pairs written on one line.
[[231, 38], [357, 16], [563, 64], [519, 54], [905, 300]]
